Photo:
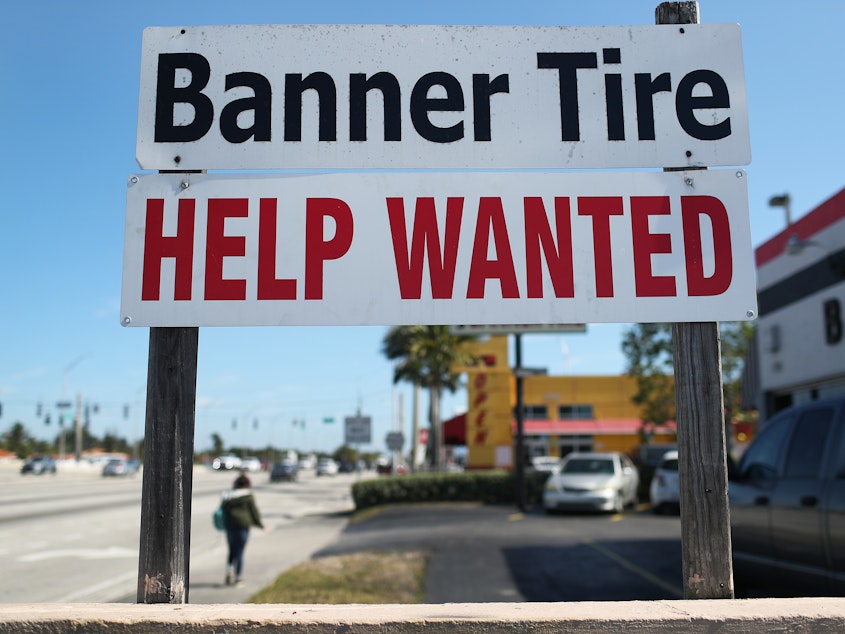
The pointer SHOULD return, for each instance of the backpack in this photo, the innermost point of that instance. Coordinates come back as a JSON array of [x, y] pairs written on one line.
[[219, 518]]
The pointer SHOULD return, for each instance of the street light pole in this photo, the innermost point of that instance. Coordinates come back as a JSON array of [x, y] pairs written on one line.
[[782, 200], [65, 404]]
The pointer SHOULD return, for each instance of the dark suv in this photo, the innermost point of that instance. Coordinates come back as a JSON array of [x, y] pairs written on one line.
[[787, 499]]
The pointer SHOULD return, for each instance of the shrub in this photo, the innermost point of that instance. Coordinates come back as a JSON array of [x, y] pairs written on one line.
[[487, 487]]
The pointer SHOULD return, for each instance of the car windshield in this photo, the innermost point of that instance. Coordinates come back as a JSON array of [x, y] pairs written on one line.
[[669, 465], [588, 465]]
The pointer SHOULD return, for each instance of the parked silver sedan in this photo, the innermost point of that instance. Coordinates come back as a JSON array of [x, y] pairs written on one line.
[[592, 481]]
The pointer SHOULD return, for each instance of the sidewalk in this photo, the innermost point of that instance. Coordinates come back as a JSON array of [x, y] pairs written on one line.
[[267, 555], [466, 545], [476, 554]]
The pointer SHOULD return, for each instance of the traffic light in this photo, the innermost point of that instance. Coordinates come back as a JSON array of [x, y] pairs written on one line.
[[38, 410], [47, 419]]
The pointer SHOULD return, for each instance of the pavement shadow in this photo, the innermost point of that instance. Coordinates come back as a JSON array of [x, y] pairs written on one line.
[[628, 570]]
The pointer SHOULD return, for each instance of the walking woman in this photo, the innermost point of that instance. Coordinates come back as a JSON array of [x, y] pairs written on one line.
[[241, 514]]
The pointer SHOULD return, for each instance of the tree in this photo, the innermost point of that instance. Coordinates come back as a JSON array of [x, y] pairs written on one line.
[[17, 440], [736, 337], [345, 454], [217, 444], [648, 348], [426, 356]]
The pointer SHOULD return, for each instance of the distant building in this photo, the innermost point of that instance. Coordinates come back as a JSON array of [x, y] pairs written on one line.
[[801, 293], [561, 413]]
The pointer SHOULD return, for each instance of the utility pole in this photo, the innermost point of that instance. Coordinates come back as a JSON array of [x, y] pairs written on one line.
[[77, 428]]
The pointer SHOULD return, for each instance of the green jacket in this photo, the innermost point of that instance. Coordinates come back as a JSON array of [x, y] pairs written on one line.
[[240, 508]]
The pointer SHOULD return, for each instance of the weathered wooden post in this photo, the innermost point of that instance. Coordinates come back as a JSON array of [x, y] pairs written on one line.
[[165, 546], [703, 474]]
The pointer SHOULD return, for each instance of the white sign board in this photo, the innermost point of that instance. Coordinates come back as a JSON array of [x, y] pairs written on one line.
[[357, 430], [463, 248], [374, 96]]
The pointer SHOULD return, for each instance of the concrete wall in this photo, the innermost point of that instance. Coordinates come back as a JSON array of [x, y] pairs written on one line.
[[739, 616]]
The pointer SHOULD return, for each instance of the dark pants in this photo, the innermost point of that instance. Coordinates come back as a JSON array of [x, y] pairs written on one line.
[[237, 542]]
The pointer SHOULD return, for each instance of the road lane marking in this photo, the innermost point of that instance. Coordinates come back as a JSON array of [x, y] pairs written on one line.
[[89, 590], [113, 552], [628, 565]]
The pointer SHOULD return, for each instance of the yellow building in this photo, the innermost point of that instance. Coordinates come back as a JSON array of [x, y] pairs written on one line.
[[561, 413]]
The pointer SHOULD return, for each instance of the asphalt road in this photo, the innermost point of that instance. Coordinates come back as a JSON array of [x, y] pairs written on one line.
[[74, 537], [493, 553]]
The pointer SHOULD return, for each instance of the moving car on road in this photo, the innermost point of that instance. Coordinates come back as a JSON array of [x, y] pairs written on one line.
[[120, 467], [592, 481], [327, 466], [38, 465], [284, 471], [227, 462], [251, 464]]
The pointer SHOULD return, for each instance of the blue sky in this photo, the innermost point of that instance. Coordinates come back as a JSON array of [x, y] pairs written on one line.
[[68, 115]]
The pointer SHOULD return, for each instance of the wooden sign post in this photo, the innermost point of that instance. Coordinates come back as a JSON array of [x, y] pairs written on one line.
[[165, 547], [700, 415]]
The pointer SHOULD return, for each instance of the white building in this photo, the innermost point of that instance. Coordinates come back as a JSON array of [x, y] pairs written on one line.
[[801, 294]]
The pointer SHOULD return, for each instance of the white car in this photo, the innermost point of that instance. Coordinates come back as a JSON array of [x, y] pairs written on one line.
[[665, 490], [227, 462], [251, 464], [546, 463], [327, 466], [592, 481]]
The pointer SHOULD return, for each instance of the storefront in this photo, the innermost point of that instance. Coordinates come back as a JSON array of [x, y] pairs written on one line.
[[561, 414]]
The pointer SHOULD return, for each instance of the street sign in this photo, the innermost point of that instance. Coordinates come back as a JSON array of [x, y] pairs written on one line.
[[375, 96], [395, 440], [357, 430], [463, 248]]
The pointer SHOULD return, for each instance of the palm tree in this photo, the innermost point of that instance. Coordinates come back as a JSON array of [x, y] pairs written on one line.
[[427, 356]]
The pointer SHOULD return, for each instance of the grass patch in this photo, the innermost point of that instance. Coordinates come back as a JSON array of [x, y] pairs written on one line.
[[367, 577]]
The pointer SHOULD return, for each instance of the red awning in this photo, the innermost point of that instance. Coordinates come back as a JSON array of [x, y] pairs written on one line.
[[587, 427], [455, 429]]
